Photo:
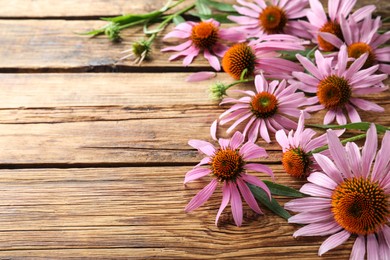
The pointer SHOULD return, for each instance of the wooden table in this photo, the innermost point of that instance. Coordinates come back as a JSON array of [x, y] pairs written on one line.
[[93, 156]]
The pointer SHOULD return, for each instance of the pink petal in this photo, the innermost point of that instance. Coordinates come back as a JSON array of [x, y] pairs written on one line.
[[196, 174], [264, 131], [315, 190], [340, 117], [334, 241], [369, 150], [338, 153], [248, 196], [187, 60], [366, 105], [372, 247], [308, 204], [241, 119], [202, 196], [322, 180], [231, 35], [382, 159], [219, 49], [214, 62], [257, 182], [282, 139], [213, 129], [224, 143], [202, 146], [359, 248], [259, 168], [354, 159], [246, 11], [363, 12], [260, 83], [318, 229], [180, 47], [236, 204], [254, 131], [356, 66], [225, 200], [352, 113], [329, 117], [252, 151], [311, 217], [236, 140], [201, 76], [244, 20], [328, 167], [177, 34], [309, 66], [318, 10], [342, 60], [331, 38]]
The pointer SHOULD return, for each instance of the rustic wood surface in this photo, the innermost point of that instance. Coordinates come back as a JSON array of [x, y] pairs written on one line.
[[92, 164]]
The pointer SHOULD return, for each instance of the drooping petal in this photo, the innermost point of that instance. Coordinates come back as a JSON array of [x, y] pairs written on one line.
[[248, 196], [338, 153], [311, 217], [257, 182], [202, 196], [322, 180], [259, 168], [202, 146], [359, 248], [318, 229], [214, 62], [225, 200], [333, 241], [372, 247], [200, 76], [316, 191], [236, 204], [196, 174]]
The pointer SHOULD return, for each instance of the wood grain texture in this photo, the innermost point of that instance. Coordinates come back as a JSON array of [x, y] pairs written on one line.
[[114, 118], [90, 8], [134, 213]]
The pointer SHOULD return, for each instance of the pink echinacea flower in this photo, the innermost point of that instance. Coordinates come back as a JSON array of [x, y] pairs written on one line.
[[228, 165], [297, 146], [280, 16], [337, 87], [203, 37], [350, 197], [265, 109]]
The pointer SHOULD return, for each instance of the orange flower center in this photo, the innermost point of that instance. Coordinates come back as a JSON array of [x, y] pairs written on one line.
[[264, 105], [296, 162], [273, 19], [227, 164], [238, 58], [355, 50], [204, 35], [333, 28], [333, 92], [360, 206]]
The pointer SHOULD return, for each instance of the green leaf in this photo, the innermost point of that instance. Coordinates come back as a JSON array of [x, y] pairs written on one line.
[[222, 18], [202, 7], [178, 19], [364, 126], [221, 6], [272, 205], [130, 18], [281, 190]]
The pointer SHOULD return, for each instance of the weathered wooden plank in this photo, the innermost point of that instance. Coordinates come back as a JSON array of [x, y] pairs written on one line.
[[92, 212], [113, 118], [53, 45], [50, 45], [89, 8]]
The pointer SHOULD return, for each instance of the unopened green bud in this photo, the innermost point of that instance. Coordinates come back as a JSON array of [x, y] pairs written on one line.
[[112, 31], [217, 91]]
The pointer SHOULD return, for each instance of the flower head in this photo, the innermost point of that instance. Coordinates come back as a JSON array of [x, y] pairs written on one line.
[[337, 86], [264, 109], [260, 56], [228, 165], [203, 37], [140, 51], [362, 38], [297, 146], [258, 18], [320, 22], [349, 197]]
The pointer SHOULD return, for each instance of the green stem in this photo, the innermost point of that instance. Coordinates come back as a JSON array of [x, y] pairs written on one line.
[[168, 20], [238, 82], [351, 139]]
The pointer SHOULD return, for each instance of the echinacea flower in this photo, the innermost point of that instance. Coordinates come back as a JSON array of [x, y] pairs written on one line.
[[297, 159], [350, 197], [337, 86], [258, 18], [203, 37], [265, 109], [363, 38], [228, 165], [260, 56], [320, 22]]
